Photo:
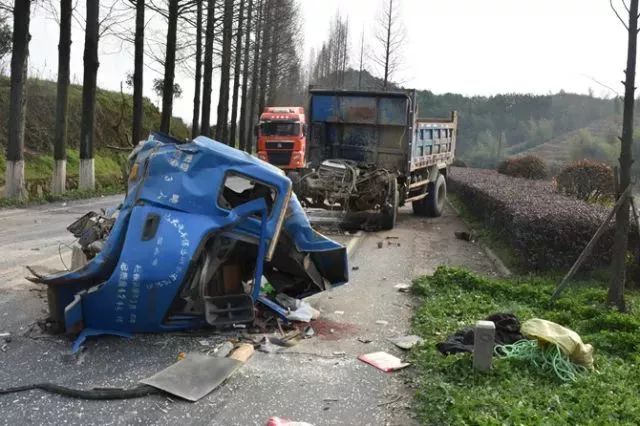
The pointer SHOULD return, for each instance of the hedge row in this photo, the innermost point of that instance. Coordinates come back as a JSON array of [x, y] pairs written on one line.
[[546, 230]]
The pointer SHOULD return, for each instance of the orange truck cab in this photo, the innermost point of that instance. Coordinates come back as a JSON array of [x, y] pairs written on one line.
[[282, 135]]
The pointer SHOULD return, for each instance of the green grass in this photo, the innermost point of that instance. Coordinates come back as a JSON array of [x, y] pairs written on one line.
[[514, 392]]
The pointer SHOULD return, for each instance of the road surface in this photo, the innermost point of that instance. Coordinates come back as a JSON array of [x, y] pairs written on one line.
[[319, 381]]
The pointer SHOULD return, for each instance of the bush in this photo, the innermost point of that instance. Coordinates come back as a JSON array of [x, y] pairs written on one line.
[[528, 166], [586, 180], [545, 229], [459, 163]]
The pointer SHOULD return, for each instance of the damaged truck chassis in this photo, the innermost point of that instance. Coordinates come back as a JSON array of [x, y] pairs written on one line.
[[200, 226], [369, 154]]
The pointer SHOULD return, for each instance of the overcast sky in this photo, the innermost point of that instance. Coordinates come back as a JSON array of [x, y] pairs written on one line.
[[473, 47]]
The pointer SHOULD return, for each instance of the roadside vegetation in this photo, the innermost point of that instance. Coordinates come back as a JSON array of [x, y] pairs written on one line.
[[544, 229], [516, 392]]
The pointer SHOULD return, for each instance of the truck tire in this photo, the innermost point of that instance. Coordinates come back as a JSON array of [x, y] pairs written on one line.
[[433, 204], [389, 213]]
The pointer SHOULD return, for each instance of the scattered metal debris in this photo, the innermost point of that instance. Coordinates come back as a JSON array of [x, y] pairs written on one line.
[[380, 244], [364, 340], [382, 322], [406, 342], [402, 287]]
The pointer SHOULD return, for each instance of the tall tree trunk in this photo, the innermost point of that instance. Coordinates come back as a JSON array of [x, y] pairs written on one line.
[[264, 50], [169, 68], [58, 184], [245, 81], [236, 78], [388, 45], [195, 125], [254, 77], [205, 127], [138, 70], [274, 47], [223, 100], [18, 100], [618, 263], [87, 172]]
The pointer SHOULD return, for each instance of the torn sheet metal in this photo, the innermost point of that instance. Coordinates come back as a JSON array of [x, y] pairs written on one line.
[[200, 225]]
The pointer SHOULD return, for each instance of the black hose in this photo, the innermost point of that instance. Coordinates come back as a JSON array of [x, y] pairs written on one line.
[[95, 394]]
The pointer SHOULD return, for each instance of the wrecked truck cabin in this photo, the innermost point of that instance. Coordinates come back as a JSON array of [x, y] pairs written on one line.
[[200, 226]]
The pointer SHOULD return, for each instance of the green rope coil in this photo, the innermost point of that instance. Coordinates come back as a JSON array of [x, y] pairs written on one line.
[[547, 358]]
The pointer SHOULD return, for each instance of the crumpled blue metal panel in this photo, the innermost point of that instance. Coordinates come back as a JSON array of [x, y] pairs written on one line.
[[131, 285]]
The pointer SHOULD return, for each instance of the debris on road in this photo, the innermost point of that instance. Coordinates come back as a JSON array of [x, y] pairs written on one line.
[[277, 421], [507, 332], [169, 260], [406, 342], [338, 312], [243, 352], [355, 268], [195, 376], [223, 350], [380, 244], [463, 235], [364, 340], [402, 287], [308, 332], [382, 322], [383, 361]]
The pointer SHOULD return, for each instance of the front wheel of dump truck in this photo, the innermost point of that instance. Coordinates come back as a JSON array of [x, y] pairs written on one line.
[[389, 213], [433, 204]]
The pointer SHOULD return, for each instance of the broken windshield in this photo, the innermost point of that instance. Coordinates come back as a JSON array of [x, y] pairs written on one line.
[[279, 128]]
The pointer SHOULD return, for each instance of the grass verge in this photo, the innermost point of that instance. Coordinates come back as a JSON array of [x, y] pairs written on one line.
[[515, 392]]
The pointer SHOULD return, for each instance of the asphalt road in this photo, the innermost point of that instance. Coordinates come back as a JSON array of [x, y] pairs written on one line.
[[319, 381]]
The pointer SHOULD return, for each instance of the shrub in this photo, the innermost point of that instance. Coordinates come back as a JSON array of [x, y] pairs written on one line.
[[545, 229], [459, 163], [528, 166], [586, 180]]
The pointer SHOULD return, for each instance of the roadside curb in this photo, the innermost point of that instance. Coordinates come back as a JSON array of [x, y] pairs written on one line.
[[498, 263]]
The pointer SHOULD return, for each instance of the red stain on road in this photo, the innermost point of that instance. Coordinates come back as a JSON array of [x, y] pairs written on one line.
[[332, 330]]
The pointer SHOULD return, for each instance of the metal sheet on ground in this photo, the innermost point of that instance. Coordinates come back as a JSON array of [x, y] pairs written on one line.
[[194, 377]]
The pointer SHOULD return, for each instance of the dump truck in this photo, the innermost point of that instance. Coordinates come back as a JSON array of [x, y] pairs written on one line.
[[370, 153], [200, 226], [282, 138]]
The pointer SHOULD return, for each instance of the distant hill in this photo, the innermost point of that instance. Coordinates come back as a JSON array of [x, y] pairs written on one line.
[[113, 116]]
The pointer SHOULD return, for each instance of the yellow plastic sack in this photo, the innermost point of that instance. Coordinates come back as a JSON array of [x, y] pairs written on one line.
[[568, 340]]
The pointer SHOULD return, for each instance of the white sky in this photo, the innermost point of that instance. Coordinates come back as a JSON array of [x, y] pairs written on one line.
[[471, 47]]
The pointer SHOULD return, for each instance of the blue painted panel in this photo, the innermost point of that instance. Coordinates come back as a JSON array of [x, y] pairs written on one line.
[[392, 111], [324, 108]]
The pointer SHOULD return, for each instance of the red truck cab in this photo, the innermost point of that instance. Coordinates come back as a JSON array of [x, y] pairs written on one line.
[[282, 137]]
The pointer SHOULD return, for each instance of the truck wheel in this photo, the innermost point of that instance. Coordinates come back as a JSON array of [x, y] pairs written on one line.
[[433, 204], [389, 213]]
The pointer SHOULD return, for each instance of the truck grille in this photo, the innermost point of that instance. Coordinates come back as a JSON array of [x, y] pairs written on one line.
[[279, 145], [279, 158]]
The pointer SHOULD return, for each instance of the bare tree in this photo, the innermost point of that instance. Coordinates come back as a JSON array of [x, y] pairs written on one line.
[[18, 100], [333, 58], [620, 246], [195, 123], [389, 38], [245, 80], [138, 70], [58, 184], [223, 100], [267, 29], [361, 60], [205, 127], [87, 171], [236, 77]]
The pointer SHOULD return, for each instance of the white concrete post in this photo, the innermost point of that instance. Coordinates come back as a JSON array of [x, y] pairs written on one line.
[[483, 342]]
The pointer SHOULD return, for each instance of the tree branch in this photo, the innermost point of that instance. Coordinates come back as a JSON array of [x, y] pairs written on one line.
[[624, 24]]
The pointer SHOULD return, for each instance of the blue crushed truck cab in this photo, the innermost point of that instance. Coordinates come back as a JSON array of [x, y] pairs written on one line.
[[200, 226]]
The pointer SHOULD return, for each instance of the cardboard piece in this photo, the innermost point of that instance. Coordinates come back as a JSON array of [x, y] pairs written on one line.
[[383, 361]]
